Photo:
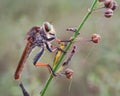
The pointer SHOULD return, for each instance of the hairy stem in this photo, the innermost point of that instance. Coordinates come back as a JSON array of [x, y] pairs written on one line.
[[68, 46]]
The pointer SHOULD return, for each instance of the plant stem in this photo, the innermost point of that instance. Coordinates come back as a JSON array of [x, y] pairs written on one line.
[[68, 46]]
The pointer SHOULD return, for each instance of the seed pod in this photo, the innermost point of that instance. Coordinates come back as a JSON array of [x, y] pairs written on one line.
[[114, 5], [108, 13], [95, 38], [68, 73], [108, 3], [71, 29], [101, 0]]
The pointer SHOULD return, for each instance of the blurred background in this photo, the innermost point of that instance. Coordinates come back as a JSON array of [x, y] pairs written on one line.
[[96, 66]]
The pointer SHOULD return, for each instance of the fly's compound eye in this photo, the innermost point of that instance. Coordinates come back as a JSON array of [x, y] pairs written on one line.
[[47, 26]]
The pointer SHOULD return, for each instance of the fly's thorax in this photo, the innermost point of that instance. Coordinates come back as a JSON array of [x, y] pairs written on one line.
[[38, 36], [39, 41]]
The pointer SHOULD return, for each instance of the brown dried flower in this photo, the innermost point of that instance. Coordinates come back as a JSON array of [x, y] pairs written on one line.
[[95, 38], [68, 73], [108, 3], [108, 12], [114, 5]]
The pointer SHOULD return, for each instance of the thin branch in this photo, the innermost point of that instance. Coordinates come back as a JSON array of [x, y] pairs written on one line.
[[68, 46]]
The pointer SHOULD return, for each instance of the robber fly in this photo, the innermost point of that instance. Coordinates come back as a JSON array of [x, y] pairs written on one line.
[[40, 37]]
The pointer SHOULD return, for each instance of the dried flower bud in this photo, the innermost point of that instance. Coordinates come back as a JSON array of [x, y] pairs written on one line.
[[114, 5], [108, 13], [71, 29], [108, 3], [95, 38], [68, 73], [101, 0]]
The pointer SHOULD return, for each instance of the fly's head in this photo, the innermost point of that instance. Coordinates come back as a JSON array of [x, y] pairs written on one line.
[[49, 29]]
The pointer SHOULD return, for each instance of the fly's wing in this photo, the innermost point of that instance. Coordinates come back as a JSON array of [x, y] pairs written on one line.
[[23, 58], [28, 48]]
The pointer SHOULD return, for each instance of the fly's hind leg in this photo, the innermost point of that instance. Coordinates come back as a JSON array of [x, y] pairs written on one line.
[[36, 63], [38, 55], [46, 65]]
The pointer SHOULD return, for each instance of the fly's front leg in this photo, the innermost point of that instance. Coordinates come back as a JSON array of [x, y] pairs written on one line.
[[49, 47], [52, 48], [59, 41]]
